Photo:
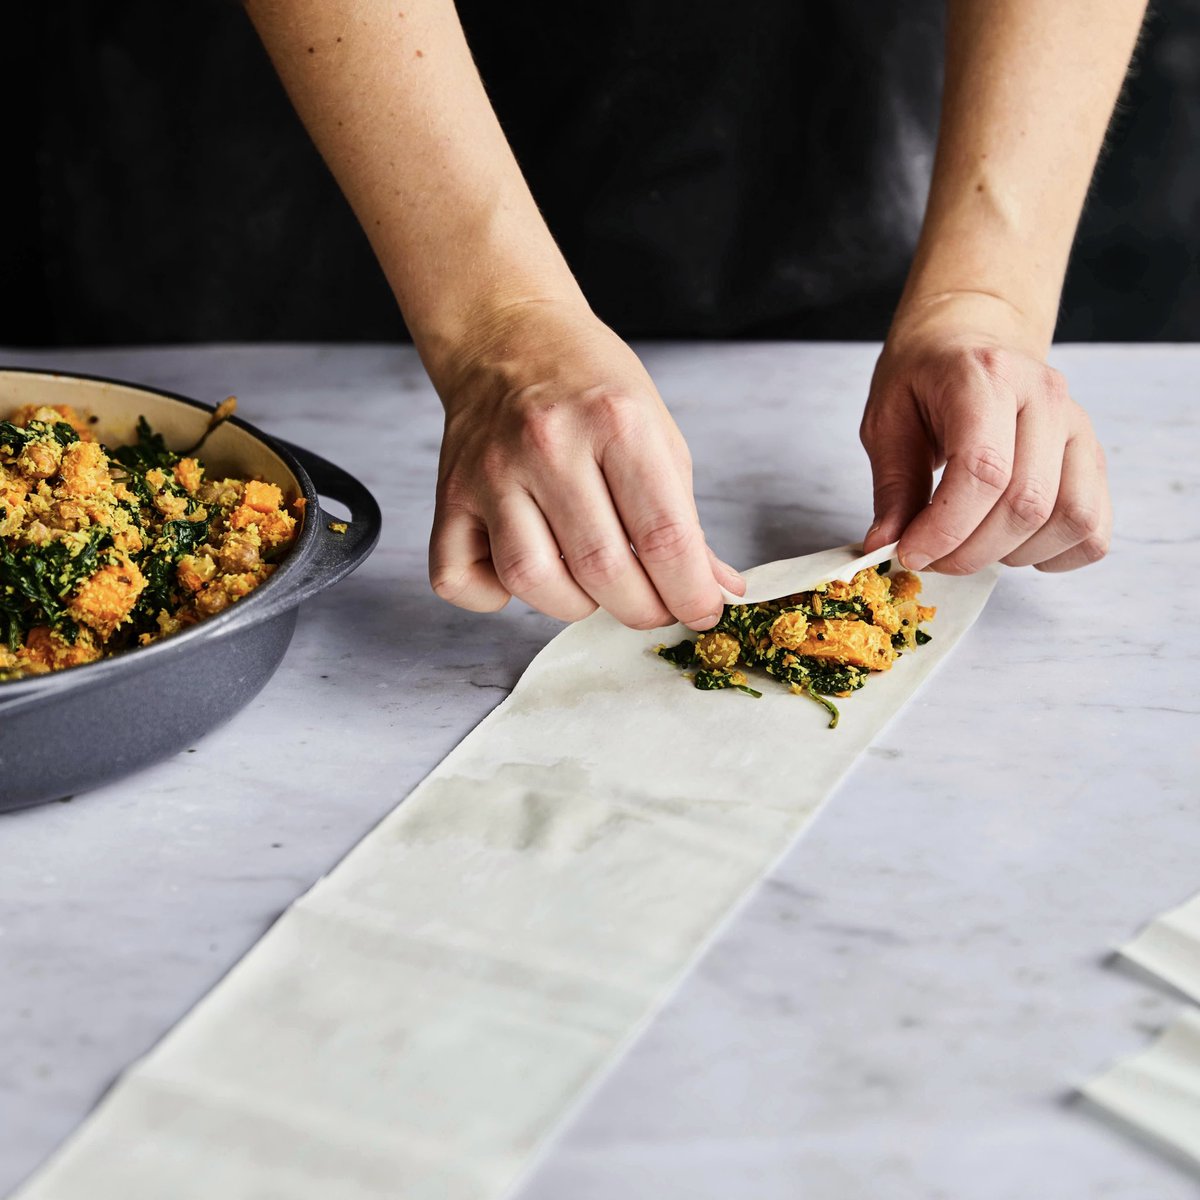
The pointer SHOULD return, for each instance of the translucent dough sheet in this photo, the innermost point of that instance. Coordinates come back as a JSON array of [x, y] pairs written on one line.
[[423, 1019], [1157, 1092], [788, 575], [1169, 947]]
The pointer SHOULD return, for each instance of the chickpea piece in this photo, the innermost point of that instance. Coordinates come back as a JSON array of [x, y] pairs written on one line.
[[212, 600], [718, 651], [38, 460], [37, 533], [237, 555], [789, 630]]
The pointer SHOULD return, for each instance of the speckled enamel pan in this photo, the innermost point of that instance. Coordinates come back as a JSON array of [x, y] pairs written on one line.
[[76, 729]]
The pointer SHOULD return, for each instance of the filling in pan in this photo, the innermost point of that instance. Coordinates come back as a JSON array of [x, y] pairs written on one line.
[[821, 643], [106, 549]]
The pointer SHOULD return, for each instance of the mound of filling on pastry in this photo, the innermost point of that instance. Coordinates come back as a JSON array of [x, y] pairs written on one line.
[[821, 643]]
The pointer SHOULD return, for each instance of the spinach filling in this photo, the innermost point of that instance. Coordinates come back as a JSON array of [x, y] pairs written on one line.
[[750, 626], [716, 679], [158, 562], [35, 582], [147, 453], [681, 656], [14, 438], [177, 537]]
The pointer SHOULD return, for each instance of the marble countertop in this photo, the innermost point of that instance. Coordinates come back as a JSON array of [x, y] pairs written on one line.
[[900, 1011]]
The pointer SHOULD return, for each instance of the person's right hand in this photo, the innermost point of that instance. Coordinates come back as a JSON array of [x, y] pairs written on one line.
[[564, 481]]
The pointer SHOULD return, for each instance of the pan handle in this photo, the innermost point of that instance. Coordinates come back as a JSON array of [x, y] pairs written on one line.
[[336, 554]]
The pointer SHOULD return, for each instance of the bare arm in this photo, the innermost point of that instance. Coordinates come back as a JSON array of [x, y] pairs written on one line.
[[558, 452], [1029, 90]]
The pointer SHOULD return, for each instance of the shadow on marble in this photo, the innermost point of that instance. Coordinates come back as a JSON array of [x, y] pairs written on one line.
[[1143, 1142]]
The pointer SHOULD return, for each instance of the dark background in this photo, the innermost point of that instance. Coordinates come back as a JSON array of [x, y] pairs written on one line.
[[704, 177]]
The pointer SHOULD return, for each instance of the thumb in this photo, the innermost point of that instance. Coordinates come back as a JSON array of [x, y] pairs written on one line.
[[460, 561], [902, 463]]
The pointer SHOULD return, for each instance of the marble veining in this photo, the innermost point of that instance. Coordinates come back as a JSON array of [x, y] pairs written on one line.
[[904, 1006]]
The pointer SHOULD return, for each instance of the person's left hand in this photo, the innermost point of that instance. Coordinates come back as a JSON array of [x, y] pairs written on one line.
[[1024, 481]]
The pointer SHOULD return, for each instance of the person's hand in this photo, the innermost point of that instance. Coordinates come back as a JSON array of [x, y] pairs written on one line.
[[1024, 482], [564, 481]]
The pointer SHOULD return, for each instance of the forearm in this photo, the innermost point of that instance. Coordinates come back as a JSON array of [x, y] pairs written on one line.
[[1029, 89], [394, 103]]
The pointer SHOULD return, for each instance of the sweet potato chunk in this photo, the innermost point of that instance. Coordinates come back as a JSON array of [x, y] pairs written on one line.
[[189, 474], [853, 642], [871, 586], [84, 469], [107, 597], [275, 529], [45, 650], [905, 585], [263, 497]]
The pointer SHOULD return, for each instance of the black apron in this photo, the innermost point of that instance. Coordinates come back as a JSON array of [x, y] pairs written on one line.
[[708, 169], [722, 170]]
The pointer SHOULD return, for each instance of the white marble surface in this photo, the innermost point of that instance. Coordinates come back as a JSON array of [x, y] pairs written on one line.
[[901, 1009]]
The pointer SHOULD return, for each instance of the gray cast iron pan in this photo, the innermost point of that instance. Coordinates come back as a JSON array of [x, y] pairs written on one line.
[[76, 729]]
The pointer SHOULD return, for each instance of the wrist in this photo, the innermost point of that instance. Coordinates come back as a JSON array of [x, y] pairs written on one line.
[[454, 275], [483, 346], [968, 314], [462, 270], [973, 270], [489, 324]]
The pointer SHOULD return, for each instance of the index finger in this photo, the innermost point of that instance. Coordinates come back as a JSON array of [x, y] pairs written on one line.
[[979, 445], [659, 515]]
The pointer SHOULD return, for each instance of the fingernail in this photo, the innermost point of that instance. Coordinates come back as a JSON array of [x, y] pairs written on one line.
[[706, 623], [737, 575], [914, 560]]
